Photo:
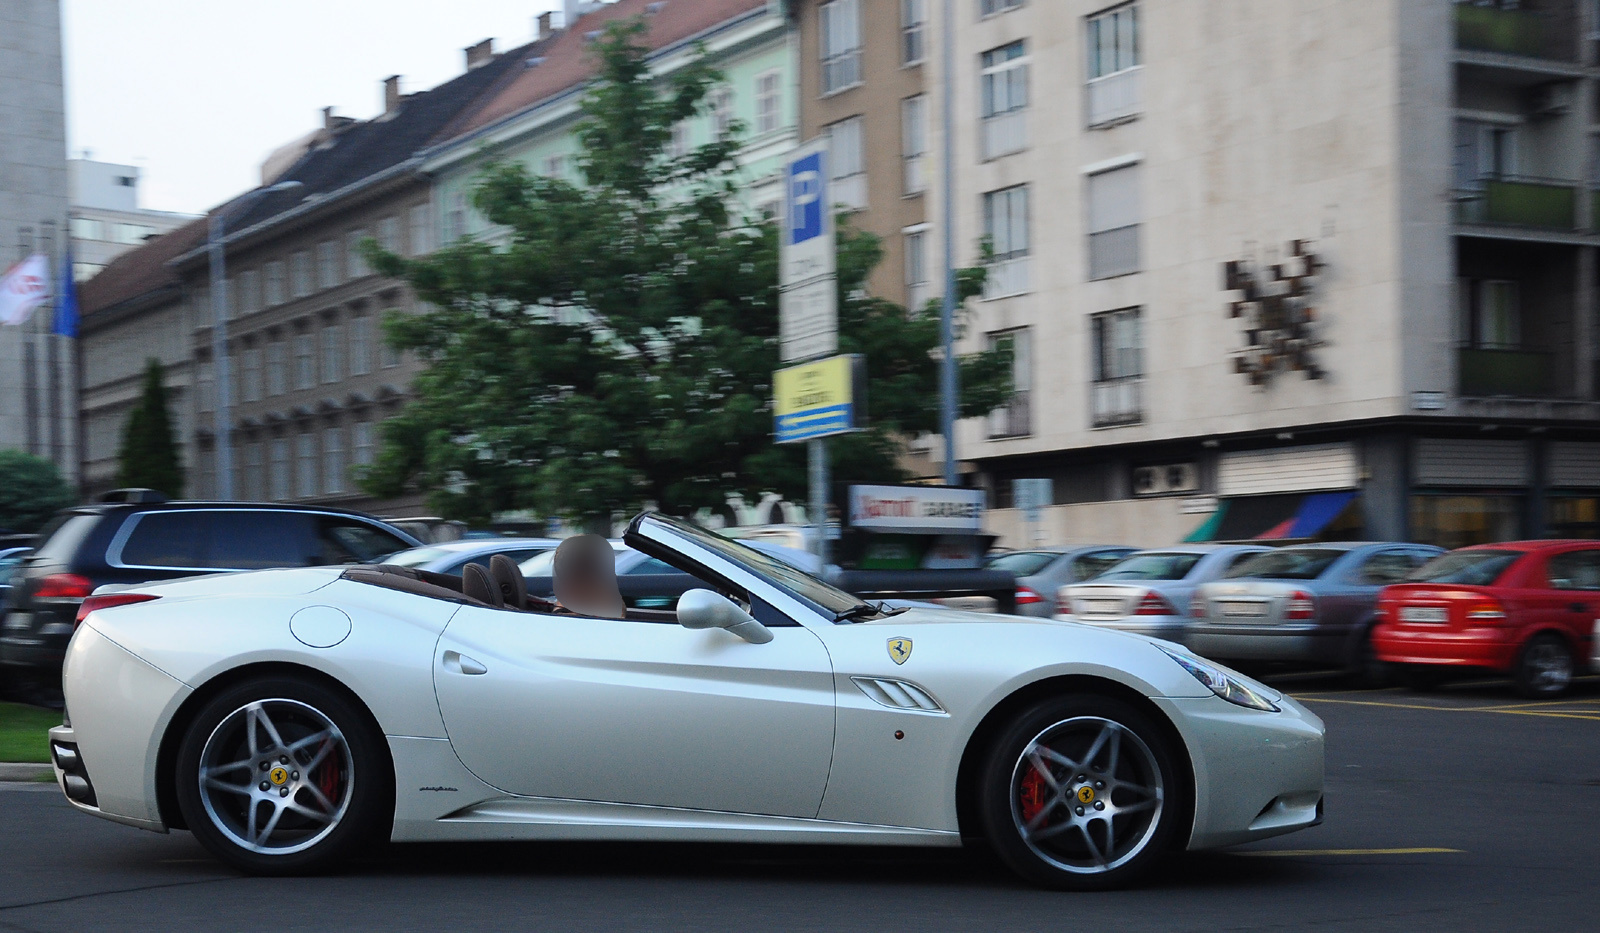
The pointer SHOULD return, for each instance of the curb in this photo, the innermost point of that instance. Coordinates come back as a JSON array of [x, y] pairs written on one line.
[[24, 771]]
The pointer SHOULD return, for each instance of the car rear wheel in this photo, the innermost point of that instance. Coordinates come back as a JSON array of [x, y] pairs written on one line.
[[282, 776], [1545, 666], [1081, 793]]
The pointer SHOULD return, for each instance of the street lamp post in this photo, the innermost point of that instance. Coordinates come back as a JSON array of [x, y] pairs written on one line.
[[219, 335], [947, 365]]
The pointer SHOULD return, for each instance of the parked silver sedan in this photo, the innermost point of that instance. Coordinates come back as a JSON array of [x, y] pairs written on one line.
[[1148, 592], [1307, 603], [1042, 571]]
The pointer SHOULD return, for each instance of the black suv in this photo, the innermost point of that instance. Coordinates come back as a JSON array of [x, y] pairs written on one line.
[[151, 539]]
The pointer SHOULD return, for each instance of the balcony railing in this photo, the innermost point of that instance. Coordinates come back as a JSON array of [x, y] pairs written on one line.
[[1520, 202], [1006, 277], [1014, 420], [1519, 373], [1529, 33], [1114, 97], [1005, 133], [1117, 401]]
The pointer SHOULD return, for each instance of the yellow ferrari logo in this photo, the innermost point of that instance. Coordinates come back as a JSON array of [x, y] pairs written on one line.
[[279, 776], [1086, 794], [899, 650]]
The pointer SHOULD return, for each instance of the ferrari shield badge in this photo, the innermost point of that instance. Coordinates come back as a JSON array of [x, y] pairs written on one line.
[[899, 649]]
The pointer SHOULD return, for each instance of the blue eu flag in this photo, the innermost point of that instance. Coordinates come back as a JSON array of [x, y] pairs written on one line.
[[67, 300]]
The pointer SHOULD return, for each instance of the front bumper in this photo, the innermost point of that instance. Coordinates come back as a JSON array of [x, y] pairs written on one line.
[[1257, 774], [1484, 646]]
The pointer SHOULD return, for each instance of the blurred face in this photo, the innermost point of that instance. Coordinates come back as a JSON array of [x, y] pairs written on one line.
[[585, 574]]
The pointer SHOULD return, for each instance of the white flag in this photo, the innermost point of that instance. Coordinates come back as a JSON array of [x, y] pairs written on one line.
[[23, 288]]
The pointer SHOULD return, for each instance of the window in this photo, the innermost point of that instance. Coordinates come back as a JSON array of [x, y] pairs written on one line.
[[306, 466], [389, 234], [840, 31], [165, 539], [256, 540], [1113, 62], [848, 165], [332, 460], [206, 387], [305, 363], [769, 101], [455, 219], [280, 468], [1574, 570], [389, 356], [1496, 315], [355, 259], [1114, 223], [360, 345], [914, 142], [350, 541], [721, 111], [327, 264], [250, 375], [913, 19], [277, 378], [249, 292], [555, 166], [1386, 567], [300, 274], [991, 7], [1117, 339], [275, 291], [364, 445], [420, 241], [1005, 223], [332, 353], [85, 228], [1003, 98], [916, 248], [251, 485], [1014, 419]]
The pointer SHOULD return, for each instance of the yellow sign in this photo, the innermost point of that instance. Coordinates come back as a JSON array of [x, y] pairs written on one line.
[[899, 650], [815, 399]]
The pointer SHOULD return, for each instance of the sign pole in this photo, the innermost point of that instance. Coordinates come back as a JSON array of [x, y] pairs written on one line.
[[818, 454]]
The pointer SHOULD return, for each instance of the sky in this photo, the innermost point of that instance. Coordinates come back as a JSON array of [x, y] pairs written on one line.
[[196, 93]]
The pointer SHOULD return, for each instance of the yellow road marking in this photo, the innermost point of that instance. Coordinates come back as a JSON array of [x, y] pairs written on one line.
[[1288, 853], [1548, 714]]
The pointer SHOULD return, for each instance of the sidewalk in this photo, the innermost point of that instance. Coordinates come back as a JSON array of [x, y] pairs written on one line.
[[24, 771]]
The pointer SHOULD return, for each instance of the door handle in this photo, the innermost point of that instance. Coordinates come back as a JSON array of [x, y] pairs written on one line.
[[458, 663], [1578, 607]]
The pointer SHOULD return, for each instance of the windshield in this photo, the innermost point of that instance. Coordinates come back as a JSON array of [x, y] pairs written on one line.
[[802, 584], [1474, 568], [1288, 564], [1152, 567], [416, 557], [1023, 563]]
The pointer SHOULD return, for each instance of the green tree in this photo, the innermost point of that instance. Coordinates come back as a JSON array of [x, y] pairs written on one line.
[[32, 491], [149, 455], [617, 348]]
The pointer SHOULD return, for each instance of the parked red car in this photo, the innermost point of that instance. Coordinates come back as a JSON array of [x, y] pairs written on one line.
[[1526, 608]]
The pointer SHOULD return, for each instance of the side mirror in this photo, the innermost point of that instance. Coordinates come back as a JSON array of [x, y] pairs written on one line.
[[705, 609]]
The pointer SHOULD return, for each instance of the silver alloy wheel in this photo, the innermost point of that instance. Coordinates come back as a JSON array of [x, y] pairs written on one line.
[[1087, 795], [276, 776], [1549, 666]]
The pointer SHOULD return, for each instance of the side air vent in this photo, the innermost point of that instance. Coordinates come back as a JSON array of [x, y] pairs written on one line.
[[897, 694]]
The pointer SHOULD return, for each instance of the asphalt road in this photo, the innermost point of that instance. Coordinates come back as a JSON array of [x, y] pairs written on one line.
[[1466, 809]]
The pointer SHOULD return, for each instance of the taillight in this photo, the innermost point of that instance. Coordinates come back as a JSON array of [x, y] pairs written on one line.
[[1302, 608], [1063, 602], [1154, 604], [109, 601], [1025, 596], [1197, 606], [64, 586], [1486, 609]]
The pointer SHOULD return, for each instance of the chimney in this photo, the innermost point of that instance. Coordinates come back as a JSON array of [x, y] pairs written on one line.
[[327, 118], [391, 94], [479, 54], [545, 28]]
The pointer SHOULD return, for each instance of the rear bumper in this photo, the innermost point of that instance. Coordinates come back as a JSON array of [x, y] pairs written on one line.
[[36, 639], [1299, 642], [1487, 647], [1170, 628]]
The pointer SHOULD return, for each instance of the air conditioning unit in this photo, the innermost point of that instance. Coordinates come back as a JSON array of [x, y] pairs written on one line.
[[1147, 481], [1166, 480], [1182, 477]]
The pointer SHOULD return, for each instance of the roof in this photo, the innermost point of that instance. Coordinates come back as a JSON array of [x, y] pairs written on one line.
[[566, 61], [139, 271]]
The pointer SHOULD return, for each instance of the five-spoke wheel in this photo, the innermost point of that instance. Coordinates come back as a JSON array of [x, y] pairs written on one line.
[[280, 776], [1080, 792]]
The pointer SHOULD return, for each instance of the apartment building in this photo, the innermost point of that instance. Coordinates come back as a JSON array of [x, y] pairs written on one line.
[[1284, 270], [104, 216], [861, 82]]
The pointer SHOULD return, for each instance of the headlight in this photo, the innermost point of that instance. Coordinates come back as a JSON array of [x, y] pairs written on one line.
[[1223, 682]]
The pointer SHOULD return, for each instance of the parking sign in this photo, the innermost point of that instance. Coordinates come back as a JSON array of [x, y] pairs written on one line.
[[807, 307]]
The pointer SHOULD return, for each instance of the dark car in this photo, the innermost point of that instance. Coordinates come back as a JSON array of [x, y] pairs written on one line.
[[10, 559], [136, 542]]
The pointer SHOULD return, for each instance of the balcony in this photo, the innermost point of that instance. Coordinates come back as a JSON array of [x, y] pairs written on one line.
[[1014, 420], [1004, 133], [1118, 401], [1517, 373], [1538, 204], [1527, 33], [1006, 277], [1114, 98]]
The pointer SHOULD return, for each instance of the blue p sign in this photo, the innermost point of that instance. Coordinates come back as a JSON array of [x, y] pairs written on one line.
[[805, 198]]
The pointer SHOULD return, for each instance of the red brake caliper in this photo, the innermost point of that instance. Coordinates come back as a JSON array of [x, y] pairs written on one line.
[[328, 778], [1032, 795]]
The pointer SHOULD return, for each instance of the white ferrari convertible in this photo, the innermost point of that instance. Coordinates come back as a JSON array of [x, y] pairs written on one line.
[[288, 717]]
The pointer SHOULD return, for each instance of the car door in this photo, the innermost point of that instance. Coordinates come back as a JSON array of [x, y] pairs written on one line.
[[638, 712], [1573, 601]]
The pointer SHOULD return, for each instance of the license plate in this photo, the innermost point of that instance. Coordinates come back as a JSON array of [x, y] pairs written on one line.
[[1102, 607], [1428, 614], [1243, 610]]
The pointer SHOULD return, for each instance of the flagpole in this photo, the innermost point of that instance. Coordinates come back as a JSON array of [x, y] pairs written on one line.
[[52, 360]]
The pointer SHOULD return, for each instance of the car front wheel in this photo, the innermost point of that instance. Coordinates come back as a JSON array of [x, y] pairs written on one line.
[[281, 776], [1081, 793]]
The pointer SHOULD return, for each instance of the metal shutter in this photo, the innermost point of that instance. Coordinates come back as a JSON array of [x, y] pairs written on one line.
[[1441, 462], [1290, 469], [1574, 465]]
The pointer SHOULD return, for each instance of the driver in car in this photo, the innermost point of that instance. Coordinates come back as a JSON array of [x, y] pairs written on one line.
[[584, 576]]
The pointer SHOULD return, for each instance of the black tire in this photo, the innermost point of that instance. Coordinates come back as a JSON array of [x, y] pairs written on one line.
[[1077, 845], [1421, 678], [1366, 671], [1545, 667], [345, 767]]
